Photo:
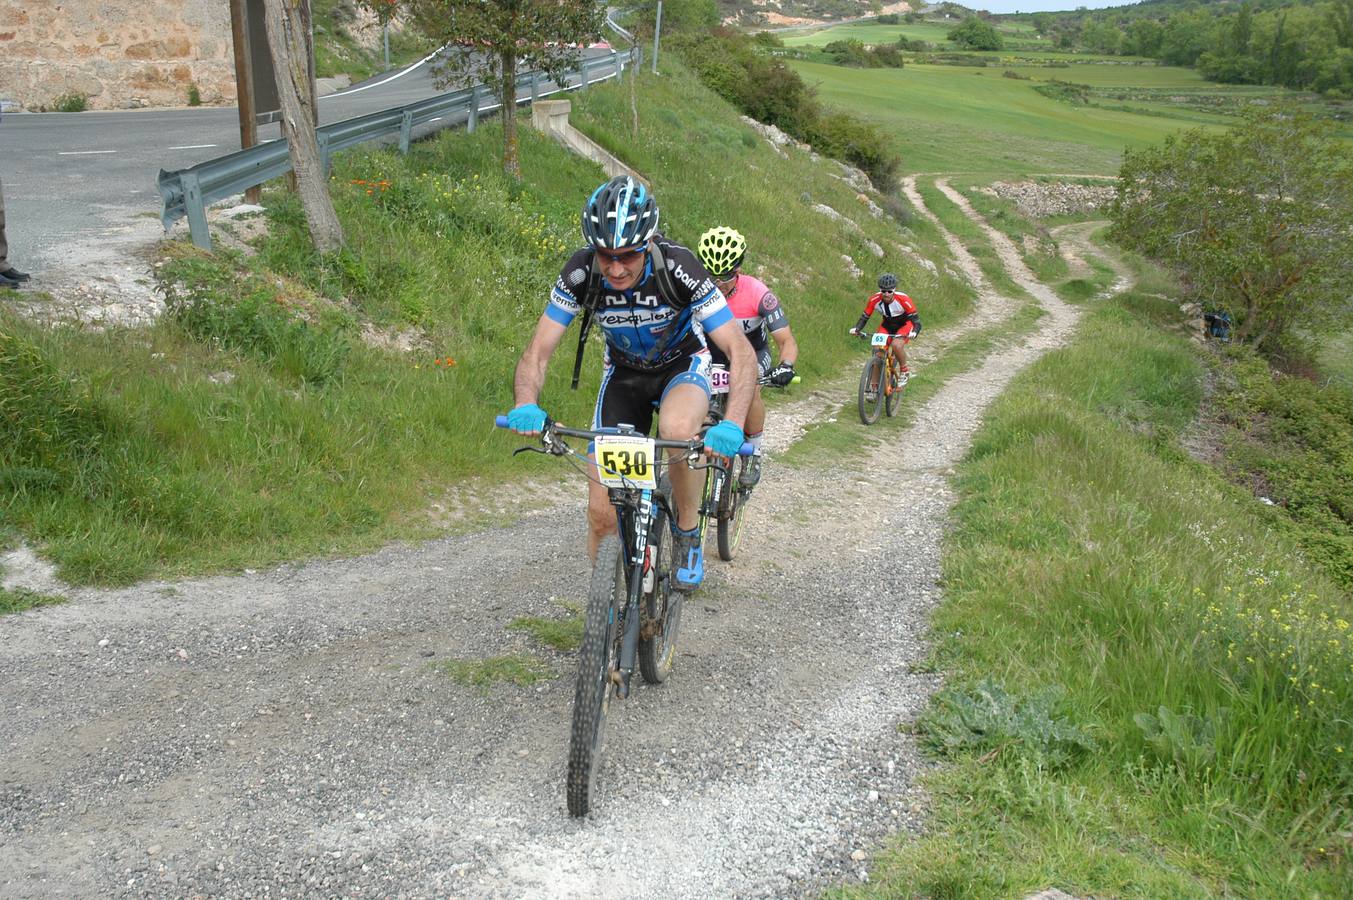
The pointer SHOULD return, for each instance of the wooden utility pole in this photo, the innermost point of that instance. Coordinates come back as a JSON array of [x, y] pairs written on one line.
[[288, 24], [244, 87]]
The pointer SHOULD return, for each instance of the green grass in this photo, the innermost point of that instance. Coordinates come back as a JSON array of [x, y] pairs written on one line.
[[936, 33], [519, 669], [14, 600], [970, 234], [337, 52], [1043, 258], [843, 438], [255, 424], [1095, 563], [557, 634], [1335, 357], [952, 118]]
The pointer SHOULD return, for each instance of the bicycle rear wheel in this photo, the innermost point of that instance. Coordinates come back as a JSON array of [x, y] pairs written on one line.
[[597, 659], [660, 605], [871, 402], [731, 507], [894, 389]]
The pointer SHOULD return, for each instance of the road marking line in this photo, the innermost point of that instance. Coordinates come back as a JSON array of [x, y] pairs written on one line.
[[82, 152], [401, 73], [193, 147]]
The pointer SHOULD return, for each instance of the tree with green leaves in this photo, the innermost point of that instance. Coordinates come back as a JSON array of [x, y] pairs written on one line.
[[974, 34], [490, 41], [1257, 221]]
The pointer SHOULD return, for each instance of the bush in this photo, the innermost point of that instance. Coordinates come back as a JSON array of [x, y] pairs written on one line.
[[767, 90], [974, 34], [194, 95], [72, 102], [888, 19]]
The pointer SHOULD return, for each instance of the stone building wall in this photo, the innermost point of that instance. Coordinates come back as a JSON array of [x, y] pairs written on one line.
[[118, 53]]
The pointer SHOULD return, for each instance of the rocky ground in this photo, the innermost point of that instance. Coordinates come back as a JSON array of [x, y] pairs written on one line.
[[288, 733]]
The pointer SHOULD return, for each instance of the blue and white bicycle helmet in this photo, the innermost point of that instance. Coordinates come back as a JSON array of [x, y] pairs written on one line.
[[621, 213]]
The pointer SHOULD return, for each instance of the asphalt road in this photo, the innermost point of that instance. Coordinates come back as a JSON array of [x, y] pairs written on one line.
[[82, 179]]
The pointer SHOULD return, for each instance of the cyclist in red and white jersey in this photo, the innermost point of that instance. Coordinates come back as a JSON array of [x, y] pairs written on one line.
[[758, 311], [900, 318]]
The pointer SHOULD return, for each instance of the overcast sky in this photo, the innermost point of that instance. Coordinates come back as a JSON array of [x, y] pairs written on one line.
[[1009, 6]]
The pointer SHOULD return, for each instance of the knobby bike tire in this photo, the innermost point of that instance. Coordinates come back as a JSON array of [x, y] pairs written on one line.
[[660, 606], [870, 410], [597, 658], [732, 505], [895, 390]]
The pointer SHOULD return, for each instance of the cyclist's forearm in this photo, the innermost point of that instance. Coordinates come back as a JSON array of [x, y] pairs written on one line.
[[742, 386], [530, 378], [788, 347]]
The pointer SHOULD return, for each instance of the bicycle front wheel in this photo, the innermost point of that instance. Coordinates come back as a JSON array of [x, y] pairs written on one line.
[[895, 388], [731, 507], [660, 605], [871, 390], [597, 659]]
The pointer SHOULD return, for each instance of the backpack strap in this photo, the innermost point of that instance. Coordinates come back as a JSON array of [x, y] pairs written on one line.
[[668, 289], [589, 301]]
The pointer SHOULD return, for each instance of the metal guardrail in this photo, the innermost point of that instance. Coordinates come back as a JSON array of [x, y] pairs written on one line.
[[188, 192]]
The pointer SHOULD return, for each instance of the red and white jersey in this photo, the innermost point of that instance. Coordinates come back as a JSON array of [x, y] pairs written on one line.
[[895, 306]]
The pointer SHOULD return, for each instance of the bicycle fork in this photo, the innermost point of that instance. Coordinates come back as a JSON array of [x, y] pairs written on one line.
[[637, 542]]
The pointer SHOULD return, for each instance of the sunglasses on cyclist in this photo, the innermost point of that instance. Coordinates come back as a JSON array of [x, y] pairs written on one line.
[[624, 257]]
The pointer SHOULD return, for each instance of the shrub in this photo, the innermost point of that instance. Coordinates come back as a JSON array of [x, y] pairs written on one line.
[[194, 95], [975, 34], [243, 314], [72, 102]]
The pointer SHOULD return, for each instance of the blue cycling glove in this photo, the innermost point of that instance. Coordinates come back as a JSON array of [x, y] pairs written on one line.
[[527, 418], [725, 439]]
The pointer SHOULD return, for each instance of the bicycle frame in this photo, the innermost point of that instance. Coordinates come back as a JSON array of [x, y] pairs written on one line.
[[635, 508]]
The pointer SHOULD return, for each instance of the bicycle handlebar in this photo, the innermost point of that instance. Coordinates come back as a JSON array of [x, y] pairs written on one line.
[[694, 445]]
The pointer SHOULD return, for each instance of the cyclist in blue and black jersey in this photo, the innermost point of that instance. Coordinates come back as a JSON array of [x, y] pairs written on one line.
[[655, 324]]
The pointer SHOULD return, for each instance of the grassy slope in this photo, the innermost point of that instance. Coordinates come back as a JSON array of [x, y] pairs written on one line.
[[951, 117], [170, 467], [1100, 575]]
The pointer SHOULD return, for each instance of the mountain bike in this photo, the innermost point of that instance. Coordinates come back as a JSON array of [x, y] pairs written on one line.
[[633, 612], [728, 495], [877, 392]]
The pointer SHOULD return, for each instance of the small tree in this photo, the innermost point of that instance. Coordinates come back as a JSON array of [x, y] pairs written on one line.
[[288, 24], [489, 41], [974, 34], [1258, 220]]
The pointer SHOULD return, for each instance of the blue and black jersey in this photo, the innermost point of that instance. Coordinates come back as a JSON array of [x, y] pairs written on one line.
[[635, 321]]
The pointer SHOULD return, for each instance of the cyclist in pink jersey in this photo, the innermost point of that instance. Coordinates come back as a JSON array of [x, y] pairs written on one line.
[[759, 312]]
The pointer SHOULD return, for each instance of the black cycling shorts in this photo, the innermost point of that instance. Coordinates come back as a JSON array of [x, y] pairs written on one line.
[[629, 396]]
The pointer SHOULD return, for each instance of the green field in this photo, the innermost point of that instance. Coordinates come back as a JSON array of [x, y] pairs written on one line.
[[955, 118], [937, 33]]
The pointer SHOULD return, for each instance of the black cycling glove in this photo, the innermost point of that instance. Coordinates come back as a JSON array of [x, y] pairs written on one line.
[[781, 375]]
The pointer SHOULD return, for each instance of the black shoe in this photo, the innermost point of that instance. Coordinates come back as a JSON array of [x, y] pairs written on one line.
[[13, 274], [7, 282]]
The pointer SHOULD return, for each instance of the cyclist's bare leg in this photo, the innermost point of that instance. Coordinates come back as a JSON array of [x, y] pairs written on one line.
[[900, 352], [600, 512], [679, 419]]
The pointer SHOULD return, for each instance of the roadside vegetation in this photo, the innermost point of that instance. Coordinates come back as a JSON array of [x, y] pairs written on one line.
[[269, 416], [339, 50], [1149, 681]]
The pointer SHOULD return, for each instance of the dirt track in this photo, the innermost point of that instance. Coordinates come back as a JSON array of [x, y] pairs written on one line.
[[284, 733]]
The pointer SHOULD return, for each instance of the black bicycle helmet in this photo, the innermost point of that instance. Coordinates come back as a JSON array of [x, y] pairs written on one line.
[[621, 213], [722, 250], [887, 282]]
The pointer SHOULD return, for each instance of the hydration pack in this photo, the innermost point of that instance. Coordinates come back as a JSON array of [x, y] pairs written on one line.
[[591, 300]]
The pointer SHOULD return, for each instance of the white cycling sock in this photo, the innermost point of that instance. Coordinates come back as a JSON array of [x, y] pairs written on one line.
[[755, 441]]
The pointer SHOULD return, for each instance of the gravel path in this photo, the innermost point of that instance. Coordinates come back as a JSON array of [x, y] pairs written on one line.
[[284, 733]]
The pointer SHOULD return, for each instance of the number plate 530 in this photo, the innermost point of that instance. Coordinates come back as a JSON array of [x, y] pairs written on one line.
[[624, 461]]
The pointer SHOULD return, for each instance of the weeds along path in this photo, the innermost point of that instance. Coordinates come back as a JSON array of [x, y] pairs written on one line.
[[1076, 247], [287, 732]]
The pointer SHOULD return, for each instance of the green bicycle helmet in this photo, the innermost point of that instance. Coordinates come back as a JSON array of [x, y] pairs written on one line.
[[722, 250]]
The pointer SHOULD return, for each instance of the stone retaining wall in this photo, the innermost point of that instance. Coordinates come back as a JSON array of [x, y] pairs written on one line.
[[118, 53]]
